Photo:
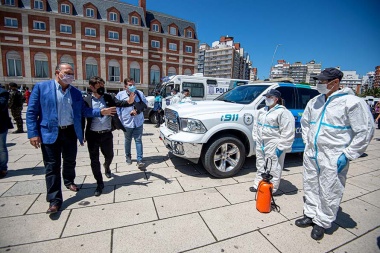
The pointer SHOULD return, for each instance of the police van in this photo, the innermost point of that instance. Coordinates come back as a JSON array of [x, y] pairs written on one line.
[[200, 87], [219, 133]]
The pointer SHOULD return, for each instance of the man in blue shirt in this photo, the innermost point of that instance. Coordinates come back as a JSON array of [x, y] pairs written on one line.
[[54, 122], [99, 130], [132, 120]]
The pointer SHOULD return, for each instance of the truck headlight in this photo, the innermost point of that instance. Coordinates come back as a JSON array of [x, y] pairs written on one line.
[[192, 126]]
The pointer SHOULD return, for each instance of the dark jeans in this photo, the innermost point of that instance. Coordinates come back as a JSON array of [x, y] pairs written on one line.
[[65, 145], [158, 117], [104, 141], [3, 151]]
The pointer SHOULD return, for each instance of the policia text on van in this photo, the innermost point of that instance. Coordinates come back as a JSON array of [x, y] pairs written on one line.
[[219, 132]]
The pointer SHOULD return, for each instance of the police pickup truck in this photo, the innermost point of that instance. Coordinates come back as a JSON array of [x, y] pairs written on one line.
[[219, 132]]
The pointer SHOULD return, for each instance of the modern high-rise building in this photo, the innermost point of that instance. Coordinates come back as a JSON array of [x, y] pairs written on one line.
[[367, 81], [299, 72], [280, 70], [108, 38], [376, 81], [351, 80], [224, 59], [313, 69]]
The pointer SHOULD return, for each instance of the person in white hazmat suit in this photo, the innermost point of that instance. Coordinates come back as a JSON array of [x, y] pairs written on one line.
[[337, 127], [176, 97], [273, 131]]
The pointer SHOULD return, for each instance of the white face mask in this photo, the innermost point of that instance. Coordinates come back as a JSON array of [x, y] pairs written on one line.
[[171, 93], [67, 79], [269, 101], [322, 88]]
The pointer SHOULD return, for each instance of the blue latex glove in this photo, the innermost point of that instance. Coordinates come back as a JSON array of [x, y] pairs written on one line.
[[342, 162], [278, 152]]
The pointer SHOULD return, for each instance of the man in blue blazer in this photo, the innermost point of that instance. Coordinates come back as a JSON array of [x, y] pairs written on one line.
[[54, 122]]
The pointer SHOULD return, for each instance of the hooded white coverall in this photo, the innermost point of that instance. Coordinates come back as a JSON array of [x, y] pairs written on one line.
[[342, 124], [274, 128]]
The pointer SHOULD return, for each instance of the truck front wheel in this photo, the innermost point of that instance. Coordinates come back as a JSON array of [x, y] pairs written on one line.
[[224, 157]]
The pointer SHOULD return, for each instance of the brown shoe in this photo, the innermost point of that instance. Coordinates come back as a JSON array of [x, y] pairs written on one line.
[[53, 209], [73, 187]]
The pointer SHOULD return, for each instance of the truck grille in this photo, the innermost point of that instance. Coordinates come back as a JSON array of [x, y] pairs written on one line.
[[171, 120]]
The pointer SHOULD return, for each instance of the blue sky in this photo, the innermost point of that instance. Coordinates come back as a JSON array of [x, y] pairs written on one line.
[[343, 33]]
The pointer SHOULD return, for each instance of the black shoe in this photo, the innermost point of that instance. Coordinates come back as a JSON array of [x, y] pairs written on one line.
[[156, 126], [3, 173], [317, 233], [252, 189], [304, 222], [129, 161], [99, 190], [18, 132], [107, 171], [141, 165]]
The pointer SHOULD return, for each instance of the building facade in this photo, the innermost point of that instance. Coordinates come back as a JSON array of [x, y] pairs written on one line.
[[299, 72], [351, 80], [224, 59], [376, 81], [111, 39]]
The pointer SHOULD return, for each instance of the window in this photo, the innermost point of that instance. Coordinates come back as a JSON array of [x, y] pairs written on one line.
[[171, 71], [188, 49], [90, 32], [65, 8], [65, 29], [196, 89], [67, 59], [173, 31], [134, 71], [155, 27], [91, 68], [304, 95], [90, 12], [13, 64], [38, 4], [187, 72], [135, 38], [9, 2], [155, 44], [154, 74], [38, 25], [288, 97], [173, 46], [113, 71], [135, 20], [189, 34], [113, 35], [113, 16], [41, 65], [11, 22]]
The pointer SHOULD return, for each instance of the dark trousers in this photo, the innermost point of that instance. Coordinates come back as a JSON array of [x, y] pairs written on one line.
[[16, 114], [104, 141], [65, 145], [158, 117]]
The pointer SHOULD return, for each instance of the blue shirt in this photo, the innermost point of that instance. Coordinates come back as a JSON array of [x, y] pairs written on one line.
[[124, 112], [100, 123], [64, 106]]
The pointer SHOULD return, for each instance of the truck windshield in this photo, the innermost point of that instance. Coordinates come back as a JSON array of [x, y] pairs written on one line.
[[244, 94]]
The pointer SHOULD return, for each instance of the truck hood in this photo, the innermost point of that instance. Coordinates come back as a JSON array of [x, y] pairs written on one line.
[[190, 109]]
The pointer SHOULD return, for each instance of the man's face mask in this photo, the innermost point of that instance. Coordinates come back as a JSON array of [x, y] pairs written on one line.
[[322, 88], [66, 78], [100, 91]]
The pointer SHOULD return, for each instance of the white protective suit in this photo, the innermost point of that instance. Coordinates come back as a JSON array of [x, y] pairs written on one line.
[[342, 124], [274, 128], [175, 99]]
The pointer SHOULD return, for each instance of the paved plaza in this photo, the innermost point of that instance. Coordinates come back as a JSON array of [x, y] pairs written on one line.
[[176, 206]]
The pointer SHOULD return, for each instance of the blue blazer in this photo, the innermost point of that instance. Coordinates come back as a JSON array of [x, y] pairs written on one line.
[[42, 114]]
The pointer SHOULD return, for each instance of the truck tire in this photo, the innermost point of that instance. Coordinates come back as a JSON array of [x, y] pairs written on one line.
[[152, 118], [224, 157]]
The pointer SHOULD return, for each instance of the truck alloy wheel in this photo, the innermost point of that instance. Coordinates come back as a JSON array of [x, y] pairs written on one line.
[[224, 157]]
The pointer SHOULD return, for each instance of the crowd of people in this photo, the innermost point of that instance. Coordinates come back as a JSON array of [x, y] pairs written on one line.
[[337, 127]]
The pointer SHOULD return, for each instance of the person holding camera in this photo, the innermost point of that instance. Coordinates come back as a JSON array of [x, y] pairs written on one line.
[[132, 119]]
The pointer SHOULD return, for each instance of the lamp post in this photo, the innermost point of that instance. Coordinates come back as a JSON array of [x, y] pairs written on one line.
[[270, 71]]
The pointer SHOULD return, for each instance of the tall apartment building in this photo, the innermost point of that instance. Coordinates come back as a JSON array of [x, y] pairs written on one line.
[[299, 72], [112, 39], [351, 80], [225, 59], [313, 69], [201, 57], [367, 81], [281, 69], [376, 81]]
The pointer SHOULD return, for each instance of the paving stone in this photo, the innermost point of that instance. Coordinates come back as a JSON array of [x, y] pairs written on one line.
[[372, 198], [238, 219], [35, 186], [237, 193], [146, 189], [18, 205], [95, 242], [170, 235], [24, 165], [358, 217], [203, 181], [291, 183], [31, 228], [287, 237], [188, 202], [366, 243], [116, 179], [24, 175], [257, 243], [366, 181], [352, 191], [80, 199], [98, 218], [5, 187], [291, 204], [170, 172]]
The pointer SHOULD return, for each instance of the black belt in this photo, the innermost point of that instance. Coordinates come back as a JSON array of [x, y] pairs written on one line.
[[65, 127], [101, 132]]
